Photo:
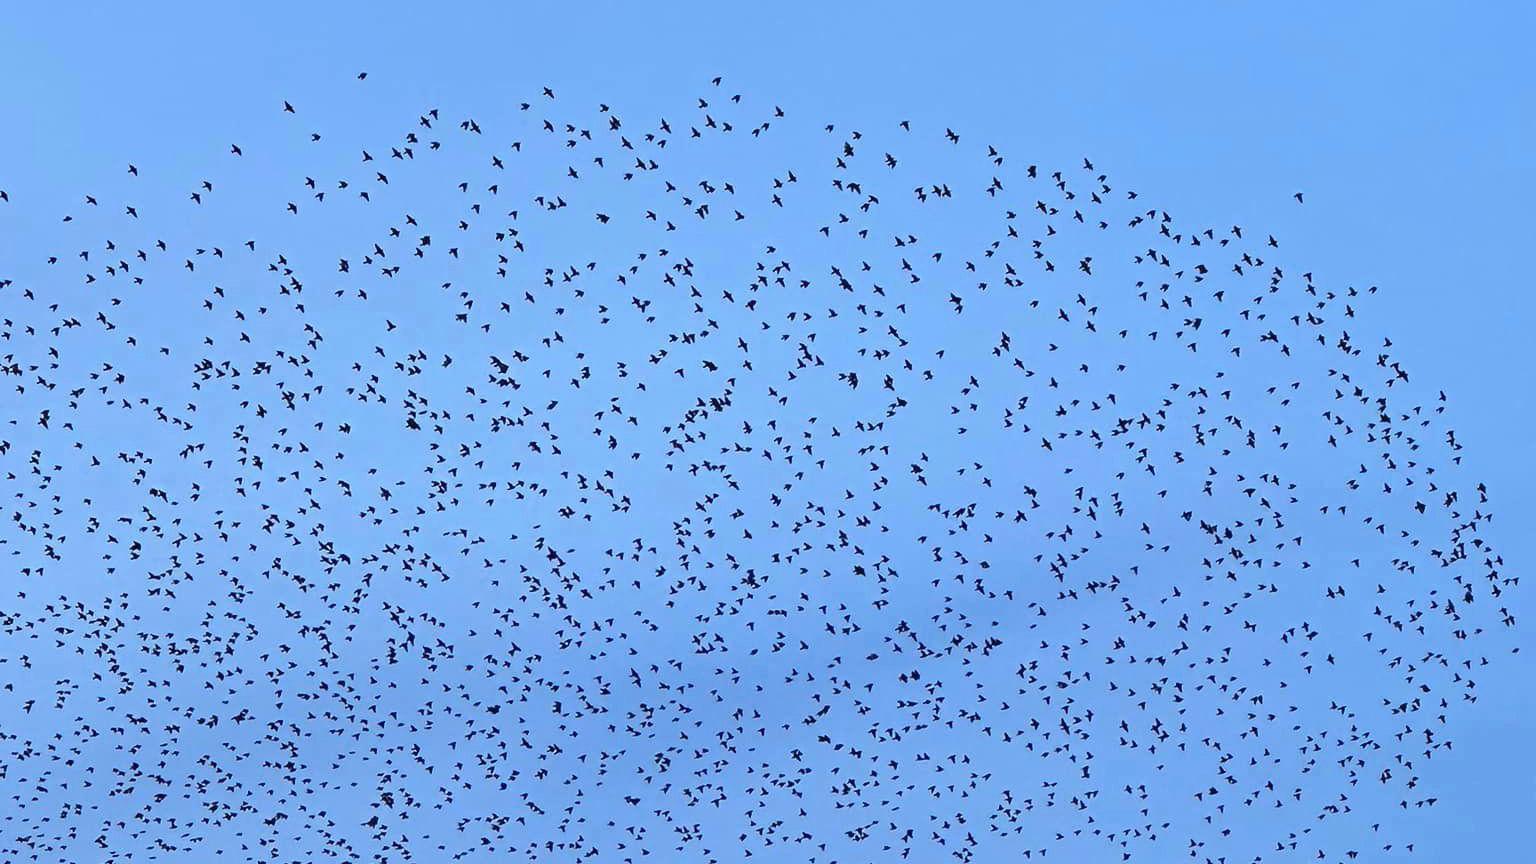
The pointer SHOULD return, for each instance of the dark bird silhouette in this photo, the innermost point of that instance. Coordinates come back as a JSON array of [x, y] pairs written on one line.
[[591, 485]]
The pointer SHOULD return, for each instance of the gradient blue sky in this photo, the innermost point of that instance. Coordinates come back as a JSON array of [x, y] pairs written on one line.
[[1409, 126]]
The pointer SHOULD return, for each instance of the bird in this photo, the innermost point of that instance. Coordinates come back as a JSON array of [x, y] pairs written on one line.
[[786, 495]]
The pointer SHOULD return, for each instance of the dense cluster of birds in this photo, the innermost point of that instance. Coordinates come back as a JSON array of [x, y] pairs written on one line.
[[565, 485]]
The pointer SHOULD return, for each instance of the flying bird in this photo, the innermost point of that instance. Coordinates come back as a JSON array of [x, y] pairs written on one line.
[[828, 494]]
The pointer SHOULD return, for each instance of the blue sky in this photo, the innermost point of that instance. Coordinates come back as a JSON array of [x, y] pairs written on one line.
[[1407, 126]]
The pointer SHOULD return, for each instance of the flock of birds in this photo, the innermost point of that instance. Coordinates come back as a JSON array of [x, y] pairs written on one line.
[[564, 484]]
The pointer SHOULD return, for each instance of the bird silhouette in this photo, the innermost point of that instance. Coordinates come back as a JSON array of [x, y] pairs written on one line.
[[740, 486]]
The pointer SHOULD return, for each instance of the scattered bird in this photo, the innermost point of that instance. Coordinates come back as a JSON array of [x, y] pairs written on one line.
[[601, 487]]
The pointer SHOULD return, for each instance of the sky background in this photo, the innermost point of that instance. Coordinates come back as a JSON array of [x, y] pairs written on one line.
[[1408, 126]]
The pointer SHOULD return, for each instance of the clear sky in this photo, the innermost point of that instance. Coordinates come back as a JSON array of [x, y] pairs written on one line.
[[1407, 126]]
